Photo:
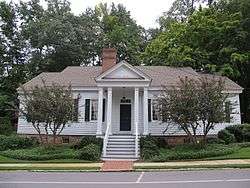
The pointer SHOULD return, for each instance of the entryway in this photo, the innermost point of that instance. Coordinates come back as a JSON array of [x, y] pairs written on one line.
[[125, 117]]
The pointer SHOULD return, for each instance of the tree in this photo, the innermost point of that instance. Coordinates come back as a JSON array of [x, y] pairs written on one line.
[[12, 60], [48, 108], [121, 32], [212, 103], [213, 39], [194, 104]]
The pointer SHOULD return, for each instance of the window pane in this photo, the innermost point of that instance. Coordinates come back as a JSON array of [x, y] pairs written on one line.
[[155, 110], [94, 109]]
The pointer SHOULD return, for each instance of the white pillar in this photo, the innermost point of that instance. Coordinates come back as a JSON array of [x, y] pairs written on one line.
[[136, 107], [100, 111], [109, 109], [145, 111]]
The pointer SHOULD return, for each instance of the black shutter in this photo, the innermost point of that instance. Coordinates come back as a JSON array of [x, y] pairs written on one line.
[[75, 109], [149, 110], [87, 108], [103, 110], [227, 111]]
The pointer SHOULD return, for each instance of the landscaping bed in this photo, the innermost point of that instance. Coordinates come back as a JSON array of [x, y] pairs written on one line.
[[14, 149]]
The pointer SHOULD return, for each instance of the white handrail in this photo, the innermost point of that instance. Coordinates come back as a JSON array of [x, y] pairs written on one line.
[[105, 140], [136, 139]]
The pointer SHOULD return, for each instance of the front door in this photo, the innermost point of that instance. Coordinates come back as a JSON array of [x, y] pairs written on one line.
[[125, 117]]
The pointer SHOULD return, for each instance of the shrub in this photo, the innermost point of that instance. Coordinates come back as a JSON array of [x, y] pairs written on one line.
[[5, 126], [90, 152], [87, 140], [213, 140], [16, 142], [240, 132], [149, 148], [187, 152], [226, 136], [41, 153]]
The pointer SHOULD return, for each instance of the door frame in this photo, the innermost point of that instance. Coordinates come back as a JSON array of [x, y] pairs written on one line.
[[126, 103]]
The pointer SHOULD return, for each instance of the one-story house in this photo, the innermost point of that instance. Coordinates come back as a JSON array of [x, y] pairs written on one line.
[[117, 101]]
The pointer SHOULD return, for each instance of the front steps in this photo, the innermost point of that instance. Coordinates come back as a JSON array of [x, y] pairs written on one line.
[[121, 147]]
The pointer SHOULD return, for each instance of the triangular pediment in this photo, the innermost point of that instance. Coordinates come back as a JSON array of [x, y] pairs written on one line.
[[123, 70]]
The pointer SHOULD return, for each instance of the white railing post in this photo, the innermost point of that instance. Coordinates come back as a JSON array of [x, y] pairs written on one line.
[[105, 141], [136, 139], [109, 120]]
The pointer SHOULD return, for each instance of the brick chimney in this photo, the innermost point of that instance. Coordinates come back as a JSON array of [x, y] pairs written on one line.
[[108, 58]]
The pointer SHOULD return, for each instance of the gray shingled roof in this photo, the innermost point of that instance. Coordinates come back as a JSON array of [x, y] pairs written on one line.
[[85, 76]]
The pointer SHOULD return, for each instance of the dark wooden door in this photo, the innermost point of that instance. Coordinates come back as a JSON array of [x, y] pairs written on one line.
[[125, 117]]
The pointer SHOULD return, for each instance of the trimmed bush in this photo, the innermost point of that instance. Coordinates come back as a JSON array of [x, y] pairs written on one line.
[[90, 152], [188, 152], [87, 140], [149, 147], [240, 132], [226, 136], [215, 141], [42, 153], [16, 142]]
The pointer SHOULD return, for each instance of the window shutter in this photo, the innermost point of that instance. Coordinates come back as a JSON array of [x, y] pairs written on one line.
[[103, 110], [75, 109], [87, 108], [227, 111], [149, 110]]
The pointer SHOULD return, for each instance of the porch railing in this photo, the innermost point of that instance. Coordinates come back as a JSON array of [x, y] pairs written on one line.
[[136, 140], [105, 140]]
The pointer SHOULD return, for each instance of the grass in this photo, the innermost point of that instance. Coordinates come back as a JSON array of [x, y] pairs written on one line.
[[242, 153]]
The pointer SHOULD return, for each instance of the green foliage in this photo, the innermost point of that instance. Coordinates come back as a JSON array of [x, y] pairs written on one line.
[[86, 140], [148, 147], [5, 126], [49, 108], [240, 132], [226, 136], [42, 153], [90, 152], [185, 152], [16, 142], [194, 103], [215, 141]]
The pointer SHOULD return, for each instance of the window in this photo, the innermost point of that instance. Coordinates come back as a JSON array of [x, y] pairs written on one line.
[[94, 109], [156, 115]]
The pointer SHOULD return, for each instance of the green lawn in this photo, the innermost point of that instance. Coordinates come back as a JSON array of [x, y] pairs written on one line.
[[242, 153]]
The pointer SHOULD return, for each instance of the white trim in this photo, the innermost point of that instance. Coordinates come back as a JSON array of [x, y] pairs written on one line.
[[109, 109], [122, 63], [145, 111], [100, 111]]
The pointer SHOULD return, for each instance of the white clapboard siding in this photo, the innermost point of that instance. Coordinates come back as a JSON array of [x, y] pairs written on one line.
[[155, 128]]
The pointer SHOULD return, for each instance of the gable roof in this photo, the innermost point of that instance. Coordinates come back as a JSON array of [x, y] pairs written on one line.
[[127, 67], [79, 76]]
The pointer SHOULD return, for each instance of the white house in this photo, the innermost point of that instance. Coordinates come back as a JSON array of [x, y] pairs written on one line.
[[117, 101]]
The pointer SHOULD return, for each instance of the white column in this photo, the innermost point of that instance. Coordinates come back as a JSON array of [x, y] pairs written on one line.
[[136, 107], [145, 111], [100, 111], [109, 109]]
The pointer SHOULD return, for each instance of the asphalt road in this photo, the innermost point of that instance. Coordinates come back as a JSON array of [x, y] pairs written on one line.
[[172, 179]]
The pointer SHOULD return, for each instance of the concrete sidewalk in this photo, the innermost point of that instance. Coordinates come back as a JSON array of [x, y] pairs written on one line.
[[192, 163]]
